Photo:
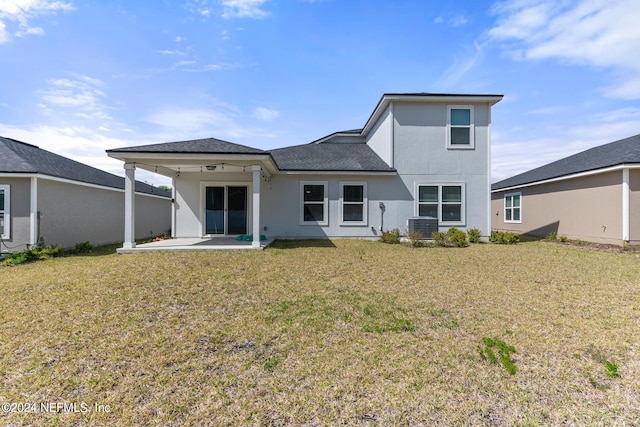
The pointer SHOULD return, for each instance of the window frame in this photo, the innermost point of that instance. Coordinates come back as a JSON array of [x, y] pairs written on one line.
[[471, 126], [325, 203], [511, 195], [5, 232], [364, 203], [440, 202]]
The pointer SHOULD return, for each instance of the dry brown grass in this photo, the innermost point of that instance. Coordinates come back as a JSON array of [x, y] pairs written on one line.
[[355, 333]]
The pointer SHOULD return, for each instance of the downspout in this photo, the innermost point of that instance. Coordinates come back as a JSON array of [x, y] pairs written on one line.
[[625, 204]]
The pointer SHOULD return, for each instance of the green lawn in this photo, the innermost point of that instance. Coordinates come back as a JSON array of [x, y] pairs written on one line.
[[320, 333]]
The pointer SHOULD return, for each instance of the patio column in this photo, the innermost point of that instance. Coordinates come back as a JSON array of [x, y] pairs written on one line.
[[34, 220], [129, 206], [625, 205], [256, 205]]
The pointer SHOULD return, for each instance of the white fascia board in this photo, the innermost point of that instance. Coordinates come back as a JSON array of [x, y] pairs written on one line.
[[563, 178], [149, 161]]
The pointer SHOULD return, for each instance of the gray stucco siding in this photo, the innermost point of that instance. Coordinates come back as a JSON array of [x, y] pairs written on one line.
[[20, 200], [72, 213]]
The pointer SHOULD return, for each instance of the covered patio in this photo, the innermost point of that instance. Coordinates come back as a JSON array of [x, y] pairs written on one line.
[[216, 193], [196, 244]]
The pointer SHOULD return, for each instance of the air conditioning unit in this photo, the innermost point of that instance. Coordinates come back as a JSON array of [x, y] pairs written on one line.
[[424, 224]]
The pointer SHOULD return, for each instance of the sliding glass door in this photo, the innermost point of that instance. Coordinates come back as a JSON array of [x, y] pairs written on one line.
[[226, 210]]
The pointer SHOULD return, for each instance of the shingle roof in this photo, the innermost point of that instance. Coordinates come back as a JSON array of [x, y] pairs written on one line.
[[204, 146], [329, 157], [615, 153], [22, 158]]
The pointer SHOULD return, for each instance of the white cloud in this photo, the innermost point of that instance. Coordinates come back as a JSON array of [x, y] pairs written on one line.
[[243, 9], [596, 33], [461, 66], [265, 114], [24, 11], [458, 20], [81, 144], [81, 94], [512, 155], [222, 121]]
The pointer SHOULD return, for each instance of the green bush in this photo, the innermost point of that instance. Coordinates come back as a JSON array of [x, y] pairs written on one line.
[[34, 253], [416, 239], [457, 237], [439, 238], [83, 248], [552, 236], [474, 235], [504, 238], [562, 238], [391, 236]]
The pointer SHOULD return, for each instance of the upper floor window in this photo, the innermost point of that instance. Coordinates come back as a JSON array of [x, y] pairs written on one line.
[[353, 201], [442, 201], [5, 218], [460, 128], [314, 203], [512, 207]]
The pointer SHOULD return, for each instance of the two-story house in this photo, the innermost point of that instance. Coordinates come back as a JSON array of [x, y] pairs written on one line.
[[419, 155]]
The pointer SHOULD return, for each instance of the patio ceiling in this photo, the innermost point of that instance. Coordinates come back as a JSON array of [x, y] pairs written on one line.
[[175, 163]]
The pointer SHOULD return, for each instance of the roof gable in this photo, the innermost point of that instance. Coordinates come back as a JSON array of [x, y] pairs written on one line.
[[203, 146], [615, 153], [22, 158]]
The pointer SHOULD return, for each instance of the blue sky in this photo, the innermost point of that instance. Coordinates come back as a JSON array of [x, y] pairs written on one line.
[[80, 77]]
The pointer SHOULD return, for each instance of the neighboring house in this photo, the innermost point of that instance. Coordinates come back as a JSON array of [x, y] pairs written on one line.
[[593, 196], [418, 155], [50, 199]]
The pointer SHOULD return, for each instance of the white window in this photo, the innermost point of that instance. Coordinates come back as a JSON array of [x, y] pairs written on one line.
[[314, 203], [442, 201], [460, 127], [5, 214], [353, 203], [512, 207]]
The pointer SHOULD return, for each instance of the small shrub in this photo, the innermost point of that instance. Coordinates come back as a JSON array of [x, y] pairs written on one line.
[[486, 350], [474, 235], [439, 238], [552, 236], [457, 237], [504, 238], [83, 248], [391, 236], [34, 253], [416, 239], [562, 238]]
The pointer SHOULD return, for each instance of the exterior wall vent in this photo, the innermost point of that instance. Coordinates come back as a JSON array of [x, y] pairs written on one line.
[[424, 224]]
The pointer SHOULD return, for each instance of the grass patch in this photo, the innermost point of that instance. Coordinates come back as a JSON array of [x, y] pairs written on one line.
[[325, 333]]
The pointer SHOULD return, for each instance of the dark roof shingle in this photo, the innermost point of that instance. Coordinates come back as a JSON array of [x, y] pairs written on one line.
[[612, 154], [204, 146], [22, 158], [330, 157]]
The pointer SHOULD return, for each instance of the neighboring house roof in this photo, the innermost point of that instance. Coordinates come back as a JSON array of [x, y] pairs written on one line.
[[203, 146], [330, 157], [22, 158], [624, 151]]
